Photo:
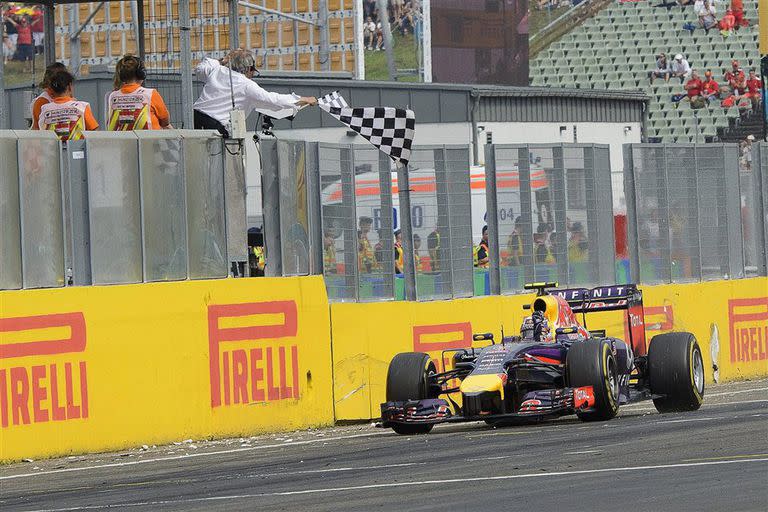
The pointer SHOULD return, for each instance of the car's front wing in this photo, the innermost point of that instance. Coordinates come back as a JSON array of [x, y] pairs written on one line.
[[536, 404]]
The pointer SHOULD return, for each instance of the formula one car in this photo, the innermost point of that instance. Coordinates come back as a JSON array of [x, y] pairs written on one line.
[[554, 367]]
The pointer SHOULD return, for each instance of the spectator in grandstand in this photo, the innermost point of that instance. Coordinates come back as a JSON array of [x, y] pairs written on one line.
[[680, 68], [399, 262], [369, 8], [692, 92], [662, 68], [47, 95], [64, 115], [737, 7], [710, 89], [133, 106], [405, 22], [373, 35], [25, 49], [10, 30], [737, 83], [754, 89], [38, 31], [8, 48], [481, 251], [223, 88], [706, 13], [727, 23]]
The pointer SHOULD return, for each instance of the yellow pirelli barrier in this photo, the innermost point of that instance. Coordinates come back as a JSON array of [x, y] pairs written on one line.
[[106, 367], [729, 319]]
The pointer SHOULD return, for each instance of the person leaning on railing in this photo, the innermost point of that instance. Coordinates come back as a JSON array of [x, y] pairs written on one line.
[[223, 88]]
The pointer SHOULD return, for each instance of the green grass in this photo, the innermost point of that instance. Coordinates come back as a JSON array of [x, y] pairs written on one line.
[[16, 75], [405, 58]]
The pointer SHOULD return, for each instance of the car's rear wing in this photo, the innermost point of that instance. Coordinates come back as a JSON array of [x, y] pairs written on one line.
[[625, 297], [602, 298]]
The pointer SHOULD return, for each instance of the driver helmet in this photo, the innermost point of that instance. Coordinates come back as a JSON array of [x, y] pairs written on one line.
[[536, 327]]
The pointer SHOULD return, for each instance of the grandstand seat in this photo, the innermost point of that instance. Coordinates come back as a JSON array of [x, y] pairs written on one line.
[[630, 35]]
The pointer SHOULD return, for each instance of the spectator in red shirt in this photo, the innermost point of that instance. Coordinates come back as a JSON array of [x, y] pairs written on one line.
[[25, 51], [693, 89], [694, 86], [728, 23], [754, 89], [710, 89], [38, 32], [737, 6], [735, 78]]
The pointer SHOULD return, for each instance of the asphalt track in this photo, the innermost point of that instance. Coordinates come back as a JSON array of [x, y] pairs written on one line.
[[714, 459]]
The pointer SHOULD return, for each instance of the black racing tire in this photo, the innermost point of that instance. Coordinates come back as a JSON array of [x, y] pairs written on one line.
[[592, 363], [408, 379], [676, 372]]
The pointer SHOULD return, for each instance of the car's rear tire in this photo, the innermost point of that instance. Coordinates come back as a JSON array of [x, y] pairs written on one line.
[[592, 363], [676, 372], [408, 379]]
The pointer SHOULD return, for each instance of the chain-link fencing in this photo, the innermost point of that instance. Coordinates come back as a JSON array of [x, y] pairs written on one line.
[[692, 214]]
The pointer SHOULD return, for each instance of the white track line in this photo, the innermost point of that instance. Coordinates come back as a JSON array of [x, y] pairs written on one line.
[[192, 455], [632, 407], [726, 393], [405, 484]]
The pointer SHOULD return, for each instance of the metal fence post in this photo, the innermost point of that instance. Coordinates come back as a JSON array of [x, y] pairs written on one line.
[[49, 26], [185, 48], [526, 213], [3, 108], [492, 219], [322, 14], [270, 191], [733, 211], [633, 253], [406, 223], [559, 214], [234, 25], [74, 42], [760, 191]]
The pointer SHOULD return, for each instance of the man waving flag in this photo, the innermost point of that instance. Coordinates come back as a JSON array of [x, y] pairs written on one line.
[[390, 129]]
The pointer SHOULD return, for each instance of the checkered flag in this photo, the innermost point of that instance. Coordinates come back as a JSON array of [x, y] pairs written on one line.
[[390, 129], [332, 100]]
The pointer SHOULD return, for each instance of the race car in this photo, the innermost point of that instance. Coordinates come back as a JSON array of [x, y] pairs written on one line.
[[555, 366]]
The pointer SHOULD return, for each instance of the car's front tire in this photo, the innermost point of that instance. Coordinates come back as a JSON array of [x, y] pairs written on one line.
[[676, 372], [408, 378], [592, 363]]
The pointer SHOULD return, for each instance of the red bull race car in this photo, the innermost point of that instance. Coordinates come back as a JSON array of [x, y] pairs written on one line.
[[555, 366]]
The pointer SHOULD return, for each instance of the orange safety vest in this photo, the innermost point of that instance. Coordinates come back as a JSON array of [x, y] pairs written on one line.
[[66, 119], [129, 111], [42, 96]]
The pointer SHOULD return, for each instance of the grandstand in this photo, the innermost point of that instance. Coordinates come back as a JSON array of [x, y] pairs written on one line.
[[616, 49]]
